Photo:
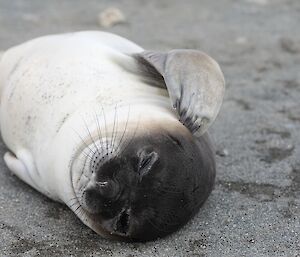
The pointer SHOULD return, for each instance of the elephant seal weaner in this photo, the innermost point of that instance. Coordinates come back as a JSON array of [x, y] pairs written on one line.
[[115, 132]]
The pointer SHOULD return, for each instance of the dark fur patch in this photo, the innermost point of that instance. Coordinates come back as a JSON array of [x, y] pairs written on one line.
[[148, 73], [171, 190]]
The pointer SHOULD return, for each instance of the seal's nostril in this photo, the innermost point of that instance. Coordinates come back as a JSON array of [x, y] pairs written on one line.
[[122, 225]]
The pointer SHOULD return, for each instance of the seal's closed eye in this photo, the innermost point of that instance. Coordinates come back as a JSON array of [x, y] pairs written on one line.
[[147, 158], [108, 189]]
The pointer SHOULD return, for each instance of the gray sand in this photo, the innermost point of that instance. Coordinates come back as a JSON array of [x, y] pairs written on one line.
[[254, 209]]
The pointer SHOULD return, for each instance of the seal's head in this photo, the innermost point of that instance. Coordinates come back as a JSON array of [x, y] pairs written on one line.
[[149, 188]]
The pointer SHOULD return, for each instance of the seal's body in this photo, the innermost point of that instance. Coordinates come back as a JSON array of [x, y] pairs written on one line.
[[46, 81], [88, 120]]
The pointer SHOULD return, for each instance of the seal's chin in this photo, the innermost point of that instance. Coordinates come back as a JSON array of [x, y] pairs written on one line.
[[148, 189]]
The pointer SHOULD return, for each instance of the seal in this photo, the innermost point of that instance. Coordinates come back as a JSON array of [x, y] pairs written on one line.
[[115, 132]]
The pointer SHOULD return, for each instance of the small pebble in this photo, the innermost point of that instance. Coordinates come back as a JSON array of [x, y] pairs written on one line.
[[222, 152], [110, 17]]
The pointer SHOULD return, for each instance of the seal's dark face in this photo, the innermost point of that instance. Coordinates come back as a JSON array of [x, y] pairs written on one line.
[[153, 187]]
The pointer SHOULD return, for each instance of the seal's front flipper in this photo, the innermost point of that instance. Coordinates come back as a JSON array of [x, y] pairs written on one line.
[[18, 167], [194, 81]]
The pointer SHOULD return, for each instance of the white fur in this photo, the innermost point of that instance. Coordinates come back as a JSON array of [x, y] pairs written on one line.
[[53, 88]]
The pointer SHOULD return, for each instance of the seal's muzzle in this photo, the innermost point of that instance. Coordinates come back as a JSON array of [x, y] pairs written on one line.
[[151, 187]]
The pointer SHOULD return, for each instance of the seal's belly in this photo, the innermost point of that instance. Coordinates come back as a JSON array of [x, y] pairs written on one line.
[[51, 79]]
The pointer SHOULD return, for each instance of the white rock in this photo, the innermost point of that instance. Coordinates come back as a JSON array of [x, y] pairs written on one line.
[[223, 152], [110, 17]]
